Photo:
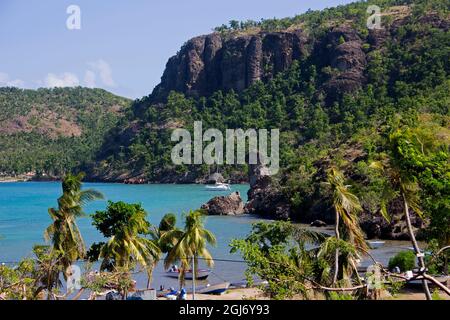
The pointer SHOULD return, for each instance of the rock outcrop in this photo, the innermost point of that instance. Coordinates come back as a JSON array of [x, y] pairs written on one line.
[[343, 49], [214, 62], [375, 226], [264, 198], [230, 205]]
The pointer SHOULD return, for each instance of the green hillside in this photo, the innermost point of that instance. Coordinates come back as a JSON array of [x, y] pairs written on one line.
[[54, 130], [404, 75]]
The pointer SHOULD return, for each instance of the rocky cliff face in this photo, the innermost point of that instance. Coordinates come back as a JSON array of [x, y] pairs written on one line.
[[344, 53], [213, 62]]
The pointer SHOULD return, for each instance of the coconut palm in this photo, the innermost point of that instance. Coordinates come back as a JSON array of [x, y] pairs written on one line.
[[408, 190], [167, 224], [63, 232], [396, 166], [190, 244], [127, 227], [346, 206]]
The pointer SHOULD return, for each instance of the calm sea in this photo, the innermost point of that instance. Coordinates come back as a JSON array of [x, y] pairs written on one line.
[[24, 217]]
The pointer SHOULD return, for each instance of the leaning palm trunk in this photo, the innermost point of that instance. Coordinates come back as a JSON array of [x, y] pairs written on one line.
[[194, 274], [150, 273], [419, 254], [336, 259]]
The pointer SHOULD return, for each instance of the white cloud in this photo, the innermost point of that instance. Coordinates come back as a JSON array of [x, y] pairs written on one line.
[[89, 79], [6, 81], [105, 72], [65, 79], [97, 71]]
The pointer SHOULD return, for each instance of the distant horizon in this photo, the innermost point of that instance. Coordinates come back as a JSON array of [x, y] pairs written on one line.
[[120, 47]]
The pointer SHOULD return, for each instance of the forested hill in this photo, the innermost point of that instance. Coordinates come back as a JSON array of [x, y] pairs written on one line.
[[323, 78], [51, 131]]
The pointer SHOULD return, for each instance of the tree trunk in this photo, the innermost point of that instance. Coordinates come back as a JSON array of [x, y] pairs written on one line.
[[194, 274], [150, 275], [416, 247], [336, 258]]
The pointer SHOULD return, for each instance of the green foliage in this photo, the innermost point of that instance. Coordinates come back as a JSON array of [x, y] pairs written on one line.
[[317, 20], [32, 278], [405, 260], [126, 227], [62, 128], [267, 235], [117, 216], [189, 244], [437, 261], [63, 232], [340, 296], [270, 259], [277, 252], [408, 76], [436, 295]]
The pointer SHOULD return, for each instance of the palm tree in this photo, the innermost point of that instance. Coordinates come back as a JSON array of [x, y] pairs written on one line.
[[408, 190], [63, 232], [126, 225], [167, 224], [190, 245], [346, 206]]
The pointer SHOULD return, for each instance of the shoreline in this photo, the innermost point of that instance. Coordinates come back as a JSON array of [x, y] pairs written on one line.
[[257, 294], [23, 179]]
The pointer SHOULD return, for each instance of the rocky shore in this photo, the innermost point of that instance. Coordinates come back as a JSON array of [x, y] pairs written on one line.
[[230, 205], [267, 199]]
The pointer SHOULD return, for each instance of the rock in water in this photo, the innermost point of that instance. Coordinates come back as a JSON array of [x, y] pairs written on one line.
[[230, 205]]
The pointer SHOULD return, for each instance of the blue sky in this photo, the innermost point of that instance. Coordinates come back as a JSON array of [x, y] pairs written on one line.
[[122, 46]]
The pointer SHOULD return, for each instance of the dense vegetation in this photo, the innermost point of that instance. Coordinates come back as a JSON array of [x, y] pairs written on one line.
[[408, 76], [401, 112], [51, 131], [368, 150], [318, 21]]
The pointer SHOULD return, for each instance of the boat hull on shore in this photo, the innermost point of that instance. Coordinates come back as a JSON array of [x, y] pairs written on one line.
[[215, 289], [202, 274]]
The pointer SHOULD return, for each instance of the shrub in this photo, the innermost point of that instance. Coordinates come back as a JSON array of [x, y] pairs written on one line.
[[405, 260]]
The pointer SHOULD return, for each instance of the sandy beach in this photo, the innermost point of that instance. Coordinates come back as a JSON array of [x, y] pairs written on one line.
[[257, 294], [233, 294]]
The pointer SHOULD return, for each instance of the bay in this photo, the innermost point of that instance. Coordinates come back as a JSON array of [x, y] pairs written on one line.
[[24, 217]]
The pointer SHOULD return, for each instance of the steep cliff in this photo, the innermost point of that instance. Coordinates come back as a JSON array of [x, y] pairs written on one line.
[[214, 62]]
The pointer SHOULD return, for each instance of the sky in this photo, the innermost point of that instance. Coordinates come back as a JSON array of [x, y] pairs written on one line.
[[121, 46]]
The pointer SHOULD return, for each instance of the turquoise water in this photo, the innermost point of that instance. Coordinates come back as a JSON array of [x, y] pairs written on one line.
[[24, 217]]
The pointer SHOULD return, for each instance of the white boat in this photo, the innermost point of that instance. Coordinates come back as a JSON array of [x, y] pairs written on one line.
[[376, 244], [218, 187], [215, 289], [202, 274]]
